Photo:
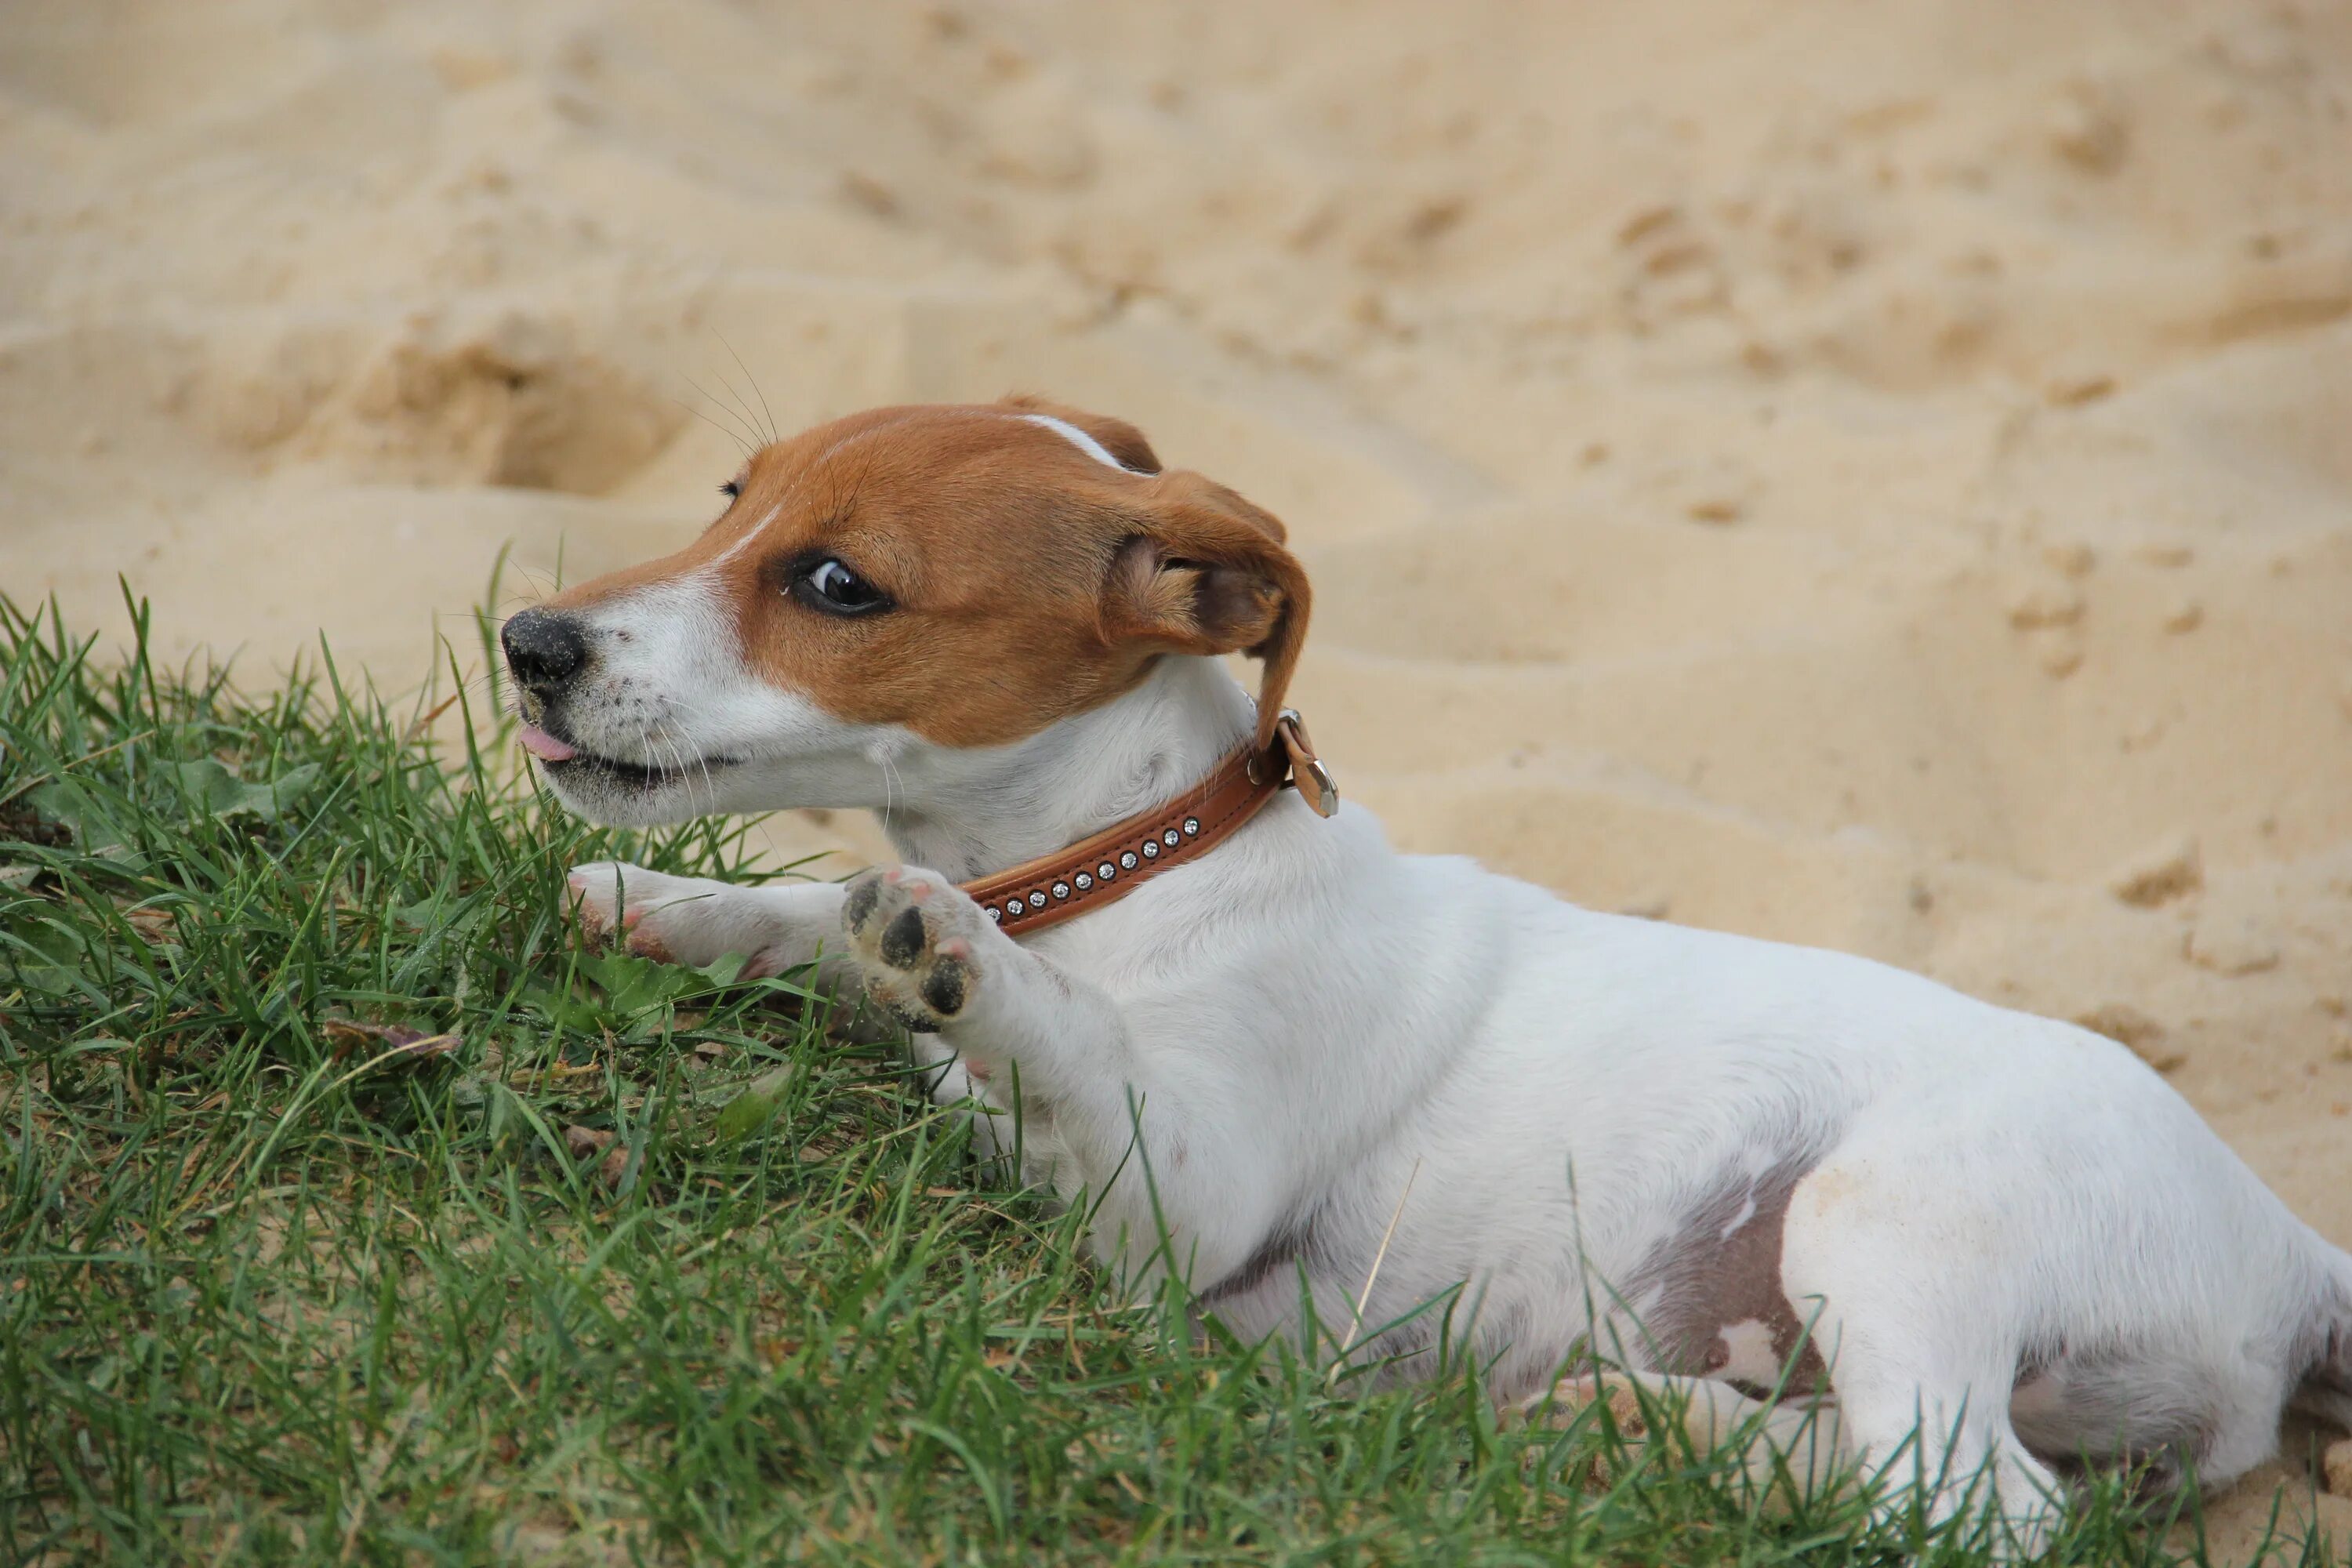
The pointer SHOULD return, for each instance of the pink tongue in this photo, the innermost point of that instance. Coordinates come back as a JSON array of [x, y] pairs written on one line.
[[542, 745]]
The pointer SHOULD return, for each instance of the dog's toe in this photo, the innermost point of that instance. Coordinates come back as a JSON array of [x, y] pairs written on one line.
[[904, 938], [905, 927], [944, 986], [858, 905], [597, 891], [670, 920]]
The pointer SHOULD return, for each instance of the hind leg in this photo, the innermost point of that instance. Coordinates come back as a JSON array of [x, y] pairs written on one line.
[[1942, 1443], [1923, 1355], [1904, 1444], [2247, 1405]]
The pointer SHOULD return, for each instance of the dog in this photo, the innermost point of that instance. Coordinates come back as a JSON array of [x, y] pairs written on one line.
[[1443, 1114]]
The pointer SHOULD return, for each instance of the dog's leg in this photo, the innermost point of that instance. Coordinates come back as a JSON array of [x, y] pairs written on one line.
[[1923, 1358], [1823, 1450], [1037, 1041], [1786, 1451], [997, 1132], [695, 921], [930, 955], [1948, 1450]]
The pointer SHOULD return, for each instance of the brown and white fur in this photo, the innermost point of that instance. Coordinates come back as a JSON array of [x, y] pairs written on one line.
[[2005, 1234]]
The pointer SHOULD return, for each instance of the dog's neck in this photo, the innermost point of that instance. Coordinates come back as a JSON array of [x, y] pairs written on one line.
[[974, 813]]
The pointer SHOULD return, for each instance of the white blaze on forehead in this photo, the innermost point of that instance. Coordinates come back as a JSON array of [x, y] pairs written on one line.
[[1080, 440], [751, 537]]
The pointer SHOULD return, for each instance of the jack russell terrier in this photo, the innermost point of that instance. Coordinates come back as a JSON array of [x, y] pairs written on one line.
[[1801, 1194]]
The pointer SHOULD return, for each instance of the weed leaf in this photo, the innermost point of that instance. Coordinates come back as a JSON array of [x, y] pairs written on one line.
[[211, 790]]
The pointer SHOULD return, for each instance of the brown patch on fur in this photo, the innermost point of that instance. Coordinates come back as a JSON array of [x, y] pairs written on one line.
[[1715, 1275], [1029, 580]]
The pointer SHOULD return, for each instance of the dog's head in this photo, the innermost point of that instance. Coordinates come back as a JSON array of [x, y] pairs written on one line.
[[939, 575]]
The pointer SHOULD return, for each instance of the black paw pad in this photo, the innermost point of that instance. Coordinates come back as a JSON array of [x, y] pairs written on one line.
[[943, 988], [863, 897], [913, 1021], [904, 938]]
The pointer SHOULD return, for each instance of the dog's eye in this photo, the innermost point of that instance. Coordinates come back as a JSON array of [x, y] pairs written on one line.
[[828, 585]]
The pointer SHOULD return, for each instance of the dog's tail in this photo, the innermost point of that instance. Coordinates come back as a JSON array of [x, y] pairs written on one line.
[[2326, 1387]]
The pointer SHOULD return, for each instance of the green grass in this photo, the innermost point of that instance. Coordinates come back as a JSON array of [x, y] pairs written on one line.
[[620, 1263]]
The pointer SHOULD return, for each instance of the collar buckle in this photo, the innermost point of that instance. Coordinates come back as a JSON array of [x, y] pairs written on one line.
[[1306, 767]]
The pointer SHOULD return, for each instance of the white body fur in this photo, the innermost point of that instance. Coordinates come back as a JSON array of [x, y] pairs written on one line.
[[2009, 1234]]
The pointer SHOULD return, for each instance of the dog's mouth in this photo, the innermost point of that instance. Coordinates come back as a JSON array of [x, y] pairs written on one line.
[[563, 760]]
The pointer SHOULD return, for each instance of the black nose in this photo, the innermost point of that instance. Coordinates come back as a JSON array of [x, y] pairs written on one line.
[[543, 650]]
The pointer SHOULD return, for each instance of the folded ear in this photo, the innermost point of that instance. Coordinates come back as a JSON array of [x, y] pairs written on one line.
[[1123, 441], [1206, 573]]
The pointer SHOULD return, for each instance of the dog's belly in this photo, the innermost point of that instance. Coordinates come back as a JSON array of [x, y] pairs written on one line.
[[2118, 1407]]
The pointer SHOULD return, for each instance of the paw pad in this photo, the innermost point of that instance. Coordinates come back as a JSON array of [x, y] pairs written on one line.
[[943, 988], [905, 938], [858, 907], [910, 935]]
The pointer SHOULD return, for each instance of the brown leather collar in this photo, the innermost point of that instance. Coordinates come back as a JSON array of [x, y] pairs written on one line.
[[1105, 868]]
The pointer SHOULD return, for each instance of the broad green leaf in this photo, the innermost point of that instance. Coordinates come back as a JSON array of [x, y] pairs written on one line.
[[723, 973], [634, 986], [79, 810], [211, 790], [750, 1110], [42, 956]]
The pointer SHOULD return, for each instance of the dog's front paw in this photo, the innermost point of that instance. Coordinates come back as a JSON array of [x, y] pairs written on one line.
[[916, 937], [605, 894], [670, 919]]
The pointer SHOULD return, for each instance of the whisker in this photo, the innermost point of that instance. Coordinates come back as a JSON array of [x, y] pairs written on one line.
[[737, 440], [745, 437], [677, 767], [711, 790], [773, 434], [741, 408], [739, 402], [889, 793]]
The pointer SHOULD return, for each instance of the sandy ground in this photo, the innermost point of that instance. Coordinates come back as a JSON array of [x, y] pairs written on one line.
[[1872, 474]]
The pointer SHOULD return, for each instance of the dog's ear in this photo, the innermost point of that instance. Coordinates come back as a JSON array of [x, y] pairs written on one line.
[[1123, 441], [1204, 571]]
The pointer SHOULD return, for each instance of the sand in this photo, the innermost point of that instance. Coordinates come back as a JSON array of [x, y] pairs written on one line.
[[1876, 475]]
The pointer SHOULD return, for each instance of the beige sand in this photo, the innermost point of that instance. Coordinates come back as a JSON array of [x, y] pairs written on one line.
[[1874, 474]]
